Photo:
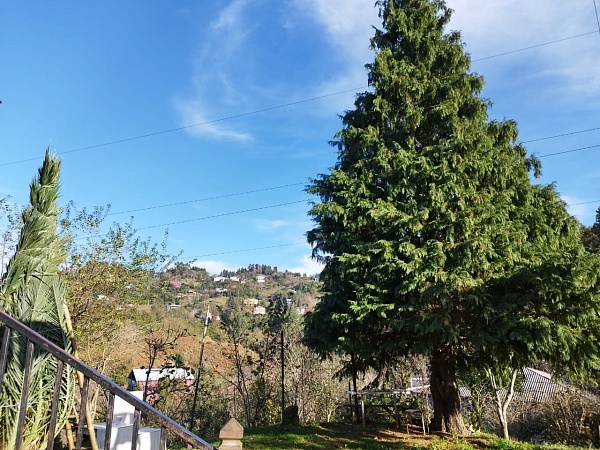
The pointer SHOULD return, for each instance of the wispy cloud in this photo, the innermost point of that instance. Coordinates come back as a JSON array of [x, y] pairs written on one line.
[[306, 265], [348, 23], [193, 112], [498, 26], [213, 267], [270, 225], [348, 26], [230, 16], [214, 92]]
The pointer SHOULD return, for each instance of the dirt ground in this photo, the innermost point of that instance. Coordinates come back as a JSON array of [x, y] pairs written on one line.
[[413, 439]]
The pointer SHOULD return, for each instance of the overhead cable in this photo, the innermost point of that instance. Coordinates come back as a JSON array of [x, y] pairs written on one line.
[[220, 215], [205, 199], [569, 151], [597, 20], [248, 250], [271, 108], [534, 46], [559, 135], [583, 203], [185, 127]]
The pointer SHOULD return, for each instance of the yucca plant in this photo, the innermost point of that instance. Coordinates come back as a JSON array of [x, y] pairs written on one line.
[[33, 293]]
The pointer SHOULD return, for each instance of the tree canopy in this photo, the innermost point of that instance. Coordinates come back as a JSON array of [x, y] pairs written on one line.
[[435, 240]]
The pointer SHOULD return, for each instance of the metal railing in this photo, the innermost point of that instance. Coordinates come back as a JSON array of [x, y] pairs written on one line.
[[34, 339]]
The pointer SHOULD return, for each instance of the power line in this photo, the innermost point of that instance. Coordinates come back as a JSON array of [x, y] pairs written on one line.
[[221, 215], [303, 183], [535, 46], [205, 199], [560, 135], [302, 243], [583, 203], [597, 20], [185, 127], [569, 151], [271, 108], [248, 250]]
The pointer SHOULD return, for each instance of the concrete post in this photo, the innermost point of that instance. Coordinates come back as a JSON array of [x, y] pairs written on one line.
[[231, 435]]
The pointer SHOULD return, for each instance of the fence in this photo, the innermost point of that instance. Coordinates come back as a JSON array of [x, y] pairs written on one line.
[[13, 328]]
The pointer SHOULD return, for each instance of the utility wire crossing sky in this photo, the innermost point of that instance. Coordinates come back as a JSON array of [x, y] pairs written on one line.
[[209, 120]]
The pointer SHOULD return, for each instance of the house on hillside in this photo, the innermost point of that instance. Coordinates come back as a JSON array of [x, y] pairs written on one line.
[[260, 310], [250, 302], [260, 279], [137, 379], [173, 306]]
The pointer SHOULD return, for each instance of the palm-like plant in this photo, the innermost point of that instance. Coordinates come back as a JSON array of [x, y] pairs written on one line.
[[33, 293]]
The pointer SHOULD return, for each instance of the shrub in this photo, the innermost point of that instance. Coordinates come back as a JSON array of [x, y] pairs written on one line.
[[571, 418]]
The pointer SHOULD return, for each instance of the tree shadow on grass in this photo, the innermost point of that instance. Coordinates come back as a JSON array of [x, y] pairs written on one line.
[[334, 436]]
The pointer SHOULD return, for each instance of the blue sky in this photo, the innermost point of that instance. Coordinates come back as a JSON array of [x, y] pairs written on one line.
[[161, 103]]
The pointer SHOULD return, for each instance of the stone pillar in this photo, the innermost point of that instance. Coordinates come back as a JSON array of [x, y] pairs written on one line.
[[231, 435]]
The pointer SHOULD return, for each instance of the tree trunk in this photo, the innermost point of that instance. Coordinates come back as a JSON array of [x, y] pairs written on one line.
[[354, 386], [444, 392], [503, 397]]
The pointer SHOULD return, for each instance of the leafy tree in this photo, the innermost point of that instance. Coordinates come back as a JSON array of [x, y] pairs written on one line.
[[33, 293], [504, 391], [236, 324], [590, 236], [279, 315], [10, 223], [434, 239], [159, 344], [212, 406]]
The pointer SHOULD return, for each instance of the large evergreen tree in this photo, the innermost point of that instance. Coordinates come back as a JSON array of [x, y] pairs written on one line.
[[435, 240]]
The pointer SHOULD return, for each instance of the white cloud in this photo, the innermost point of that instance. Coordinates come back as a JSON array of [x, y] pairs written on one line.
[[496, 26], [270, 225], [230, 16], [348, 26], [214, 94], [213, 267], [306, 265], [348, 23], [192, 112]]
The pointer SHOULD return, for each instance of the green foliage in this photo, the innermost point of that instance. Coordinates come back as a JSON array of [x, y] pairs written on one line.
[[434, 239], [590, 236], [33, 293], [107, 268], [212, 410]]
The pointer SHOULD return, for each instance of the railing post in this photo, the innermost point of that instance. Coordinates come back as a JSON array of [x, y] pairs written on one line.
[[231, 435]]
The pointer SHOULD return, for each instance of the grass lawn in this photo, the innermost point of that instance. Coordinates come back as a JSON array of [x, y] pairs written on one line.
[[347, 436]]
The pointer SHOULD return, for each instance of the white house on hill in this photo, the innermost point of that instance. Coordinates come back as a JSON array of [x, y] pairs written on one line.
[[137, 377]]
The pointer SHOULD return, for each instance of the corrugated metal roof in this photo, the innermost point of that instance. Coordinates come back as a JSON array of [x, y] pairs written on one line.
[[157, 374], [536, 386]]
